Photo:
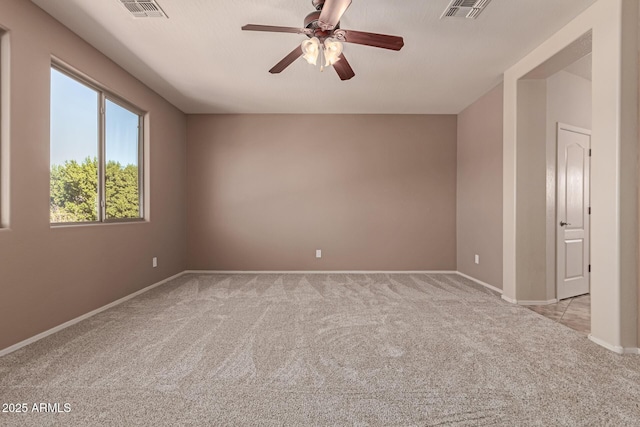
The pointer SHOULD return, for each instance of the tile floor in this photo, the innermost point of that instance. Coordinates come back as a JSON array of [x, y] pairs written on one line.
[[572, 312]]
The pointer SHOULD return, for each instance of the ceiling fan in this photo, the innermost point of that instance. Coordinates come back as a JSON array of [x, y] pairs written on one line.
[[322, 28]]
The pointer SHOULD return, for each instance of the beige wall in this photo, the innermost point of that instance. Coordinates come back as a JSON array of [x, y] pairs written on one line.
[[373, 192], [531, 191], [51, 275], [479, 189], [628, 172]]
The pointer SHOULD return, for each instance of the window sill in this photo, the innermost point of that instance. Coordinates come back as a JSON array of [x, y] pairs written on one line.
[[98, 224]]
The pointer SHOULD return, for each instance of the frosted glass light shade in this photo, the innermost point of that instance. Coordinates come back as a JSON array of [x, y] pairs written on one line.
[[332, 51], [311, 50]]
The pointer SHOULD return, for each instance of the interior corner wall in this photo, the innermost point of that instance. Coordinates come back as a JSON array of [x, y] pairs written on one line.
[[568, 102], [479, 189], [373, 192], [531, 190], [629, 167], [50, 275]]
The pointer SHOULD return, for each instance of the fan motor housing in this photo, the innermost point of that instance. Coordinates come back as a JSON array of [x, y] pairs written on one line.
[[311, 22]]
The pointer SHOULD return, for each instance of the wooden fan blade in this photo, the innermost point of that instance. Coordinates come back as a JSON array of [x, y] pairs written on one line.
[[383, 41], [274, 29], [332, 12], [343, 68], [287, 60]]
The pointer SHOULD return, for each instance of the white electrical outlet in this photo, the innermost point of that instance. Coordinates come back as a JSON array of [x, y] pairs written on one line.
[[318, 253], [477, 259], [154, 262]]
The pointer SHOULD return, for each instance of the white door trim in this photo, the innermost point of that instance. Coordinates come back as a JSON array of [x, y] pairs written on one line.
[[578, 238], [575, 129]]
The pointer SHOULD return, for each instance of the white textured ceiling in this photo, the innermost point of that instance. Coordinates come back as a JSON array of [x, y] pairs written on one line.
[[202, 62]]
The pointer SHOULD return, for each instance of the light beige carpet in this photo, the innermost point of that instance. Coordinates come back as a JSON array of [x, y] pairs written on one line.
[[321, 350]]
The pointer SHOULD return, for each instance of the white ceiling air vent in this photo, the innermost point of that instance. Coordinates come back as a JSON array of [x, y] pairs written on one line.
[[470, 9], [144, 8]]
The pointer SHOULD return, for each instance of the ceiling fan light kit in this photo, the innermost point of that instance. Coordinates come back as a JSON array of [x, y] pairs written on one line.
[[322, 27], [332, 49], [311, 50]]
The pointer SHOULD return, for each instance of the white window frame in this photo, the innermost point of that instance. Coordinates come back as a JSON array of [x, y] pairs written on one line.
[[4, 128], [103, 96]]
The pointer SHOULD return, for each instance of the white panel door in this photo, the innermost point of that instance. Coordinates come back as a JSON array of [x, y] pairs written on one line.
[[573, 211]]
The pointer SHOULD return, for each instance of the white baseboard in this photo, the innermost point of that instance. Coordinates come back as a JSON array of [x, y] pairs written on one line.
[[537, 302], [615, 348], [71, 322], [529, 302], [317, 272], [510, 300], [479, 282]]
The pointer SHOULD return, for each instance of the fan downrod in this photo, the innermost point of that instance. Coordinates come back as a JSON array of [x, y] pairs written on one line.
[[318, 4]]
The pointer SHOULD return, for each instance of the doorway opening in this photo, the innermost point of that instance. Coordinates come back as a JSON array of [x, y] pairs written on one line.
[[554, 134], [610, 32]]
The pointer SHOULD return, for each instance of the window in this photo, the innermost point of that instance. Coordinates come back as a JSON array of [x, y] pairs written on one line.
[[96, 154]]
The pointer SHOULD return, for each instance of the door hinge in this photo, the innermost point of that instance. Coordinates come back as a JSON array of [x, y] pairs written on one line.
[[589, 268], [589, 210], [589, 152]]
